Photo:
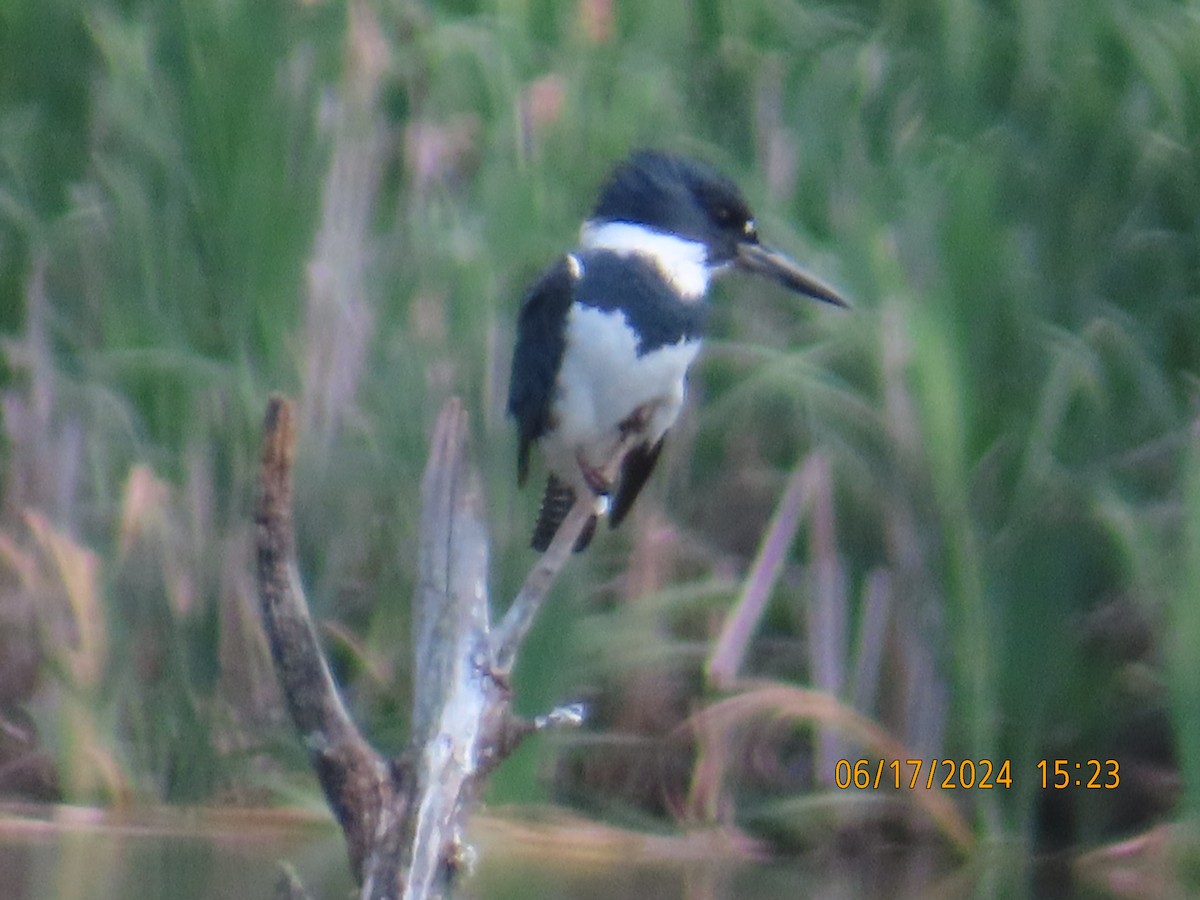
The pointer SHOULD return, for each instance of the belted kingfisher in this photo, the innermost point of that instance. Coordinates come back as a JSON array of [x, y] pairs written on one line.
[[607, 333]]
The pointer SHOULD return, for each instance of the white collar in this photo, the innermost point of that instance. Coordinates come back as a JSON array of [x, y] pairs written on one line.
[[682, 262]]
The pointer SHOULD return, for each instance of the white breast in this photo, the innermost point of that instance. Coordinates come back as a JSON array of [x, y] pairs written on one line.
[[603, 381]]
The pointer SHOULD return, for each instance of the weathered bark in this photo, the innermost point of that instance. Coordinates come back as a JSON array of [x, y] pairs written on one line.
[[356, 780], [403, 819]]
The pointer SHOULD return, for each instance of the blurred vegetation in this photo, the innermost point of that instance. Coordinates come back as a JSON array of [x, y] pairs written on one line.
[[997, 554]]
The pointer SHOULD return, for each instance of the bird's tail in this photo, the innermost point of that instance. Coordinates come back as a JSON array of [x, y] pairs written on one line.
[[556, 503]]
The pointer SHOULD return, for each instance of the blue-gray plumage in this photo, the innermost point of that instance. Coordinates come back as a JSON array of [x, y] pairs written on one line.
[[606, 335]]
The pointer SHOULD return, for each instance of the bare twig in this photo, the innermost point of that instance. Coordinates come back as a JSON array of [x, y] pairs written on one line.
[[516, 622]]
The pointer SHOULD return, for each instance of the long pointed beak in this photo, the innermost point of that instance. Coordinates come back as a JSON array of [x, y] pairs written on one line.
[[774, 265]]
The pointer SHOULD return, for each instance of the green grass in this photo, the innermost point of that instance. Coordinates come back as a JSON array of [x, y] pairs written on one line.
[[1006, 191]]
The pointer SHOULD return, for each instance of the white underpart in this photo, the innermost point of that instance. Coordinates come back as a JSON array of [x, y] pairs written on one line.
[[602, 383], [682, 262]]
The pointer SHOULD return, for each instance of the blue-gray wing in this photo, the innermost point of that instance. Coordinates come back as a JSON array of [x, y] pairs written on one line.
[[537, 356]]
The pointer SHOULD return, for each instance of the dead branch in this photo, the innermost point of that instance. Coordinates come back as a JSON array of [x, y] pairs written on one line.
[[403, 819], [516, 622], [353, 776]]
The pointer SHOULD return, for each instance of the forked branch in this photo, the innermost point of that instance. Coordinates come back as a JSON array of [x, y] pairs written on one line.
[[403, 818]]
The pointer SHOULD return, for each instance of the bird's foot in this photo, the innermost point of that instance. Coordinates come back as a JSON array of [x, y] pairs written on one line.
[[594, 477]]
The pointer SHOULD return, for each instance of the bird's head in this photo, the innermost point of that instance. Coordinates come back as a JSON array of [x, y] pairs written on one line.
[[652, 195]]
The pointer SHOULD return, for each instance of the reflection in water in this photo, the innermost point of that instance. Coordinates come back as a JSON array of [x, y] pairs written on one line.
[[186, 860], [55, 854]]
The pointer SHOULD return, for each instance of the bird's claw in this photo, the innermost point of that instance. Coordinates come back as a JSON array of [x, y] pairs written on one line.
[[594, 477]]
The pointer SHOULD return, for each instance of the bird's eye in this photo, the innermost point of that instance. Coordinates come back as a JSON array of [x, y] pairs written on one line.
[[749, 230]]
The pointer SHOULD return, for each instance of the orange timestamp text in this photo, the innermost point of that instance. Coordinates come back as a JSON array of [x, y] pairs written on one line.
[[965, 774], [1095, 774]]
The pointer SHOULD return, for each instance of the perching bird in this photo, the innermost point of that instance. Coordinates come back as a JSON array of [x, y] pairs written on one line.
[[607, 333]]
